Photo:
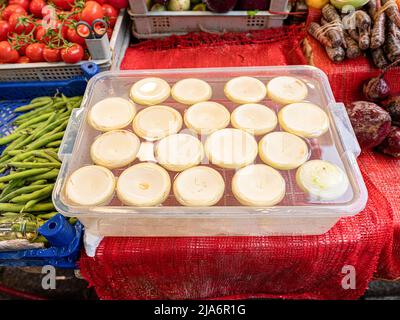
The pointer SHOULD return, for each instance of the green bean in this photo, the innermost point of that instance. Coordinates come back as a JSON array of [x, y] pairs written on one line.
[[54, 144], [9, 138], [32, 165], [52, 174], [39, 182], [13, 207], [34, 105], [24, 174], [9, 214], [32, 202], [20, 155], [37, 119], [44, 141], [11, 186], [72, 220], [60, 128], [40, 99], [2, 185], [12, 145], [46, 216], [24, 198], [29, 159], [24, 142], [23, 190], [49, 127]]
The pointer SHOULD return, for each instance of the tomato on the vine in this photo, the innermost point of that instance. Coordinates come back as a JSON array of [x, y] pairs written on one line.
[[91, 12], [64, 4], [7, 53], [22, 3], [36, 7], [23, 59], [72, 36], [35, 52], [20, 23], [4, 30], [72, 54], [51, 54], [10, 9], [110, 13]]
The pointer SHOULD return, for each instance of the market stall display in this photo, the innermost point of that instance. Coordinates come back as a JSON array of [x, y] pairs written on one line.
[[44, 42], [225, 149], [159, 18]]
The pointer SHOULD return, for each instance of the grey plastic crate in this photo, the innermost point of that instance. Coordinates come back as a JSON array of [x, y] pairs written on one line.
[[43, 71], [148, 24]]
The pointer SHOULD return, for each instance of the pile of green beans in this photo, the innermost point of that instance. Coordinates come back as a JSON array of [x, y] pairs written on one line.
[[31, 156]]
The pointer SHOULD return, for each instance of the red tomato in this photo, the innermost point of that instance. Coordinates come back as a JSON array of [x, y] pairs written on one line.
[[22, 3], [64, 28], [64, 4], [111, 13], [119, 4], [14, 56], [36, 7], [4, 30], [5, 50], [35, 52], [10, 9], [72, 36], [20, 23], [91, 12], [23, 59], [102, 1], [72, 54], [51, 55]]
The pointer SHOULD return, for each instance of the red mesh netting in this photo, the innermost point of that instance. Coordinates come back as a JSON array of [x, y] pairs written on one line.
[[243, 267]]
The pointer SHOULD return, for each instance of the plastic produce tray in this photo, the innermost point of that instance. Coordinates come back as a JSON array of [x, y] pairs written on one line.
[[147, 24], [43, 71], [295, 215], [65, 240]]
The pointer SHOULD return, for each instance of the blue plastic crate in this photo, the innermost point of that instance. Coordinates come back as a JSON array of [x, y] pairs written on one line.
[[65, 239]]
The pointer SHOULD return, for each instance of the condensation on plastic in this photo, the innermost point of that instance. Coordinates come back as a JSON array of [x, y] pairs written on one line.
[[296, 215]]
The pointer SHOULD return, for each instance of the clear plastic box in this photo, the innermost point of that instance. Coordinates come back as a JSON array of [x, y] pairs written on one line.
[[297, 214]]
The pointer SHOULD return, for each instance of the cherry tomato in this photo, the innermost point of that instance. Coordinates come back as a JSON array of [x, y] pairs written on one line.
[[14, 56], [35, 52], [4, 30], [64, 4], [119, 4], [72, 54], [22, 3], [91, 12], [72, 36], [64, 28], [23, 59], [36, 7], [111, 13], [20, 23], [5, 50], [51, 55], [10, 9]]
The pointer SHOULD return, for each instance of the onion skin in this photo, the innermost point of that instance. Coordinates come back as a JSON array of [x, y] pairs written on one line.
[[370, 122], [376, 89], [220, 6], [391, 145]]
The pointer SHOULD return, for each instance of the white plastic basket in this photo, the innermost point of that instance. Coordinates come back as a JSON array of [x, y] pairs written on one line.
[[43, 71], [148, 24]]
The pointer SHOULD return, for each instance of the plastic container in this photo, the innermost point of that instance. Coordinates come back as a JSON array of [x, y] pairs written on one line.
[[147, 24], [295, 215], [43, 71]]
